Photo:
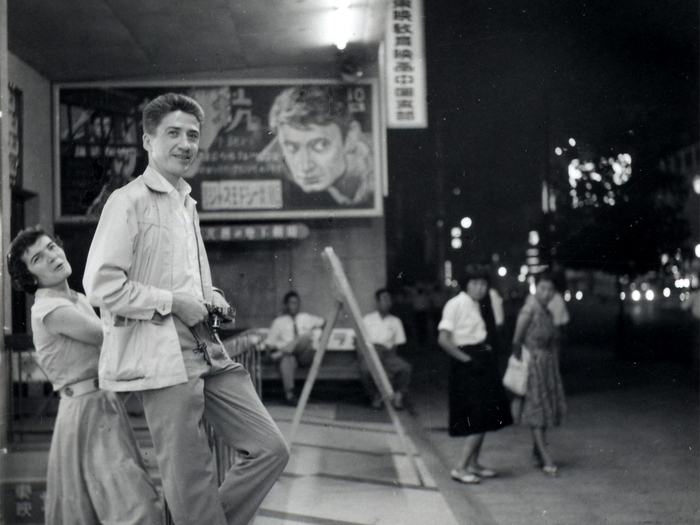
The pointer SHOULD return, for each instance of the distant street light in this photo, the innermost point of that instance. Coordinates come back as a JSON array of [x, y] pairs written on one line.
[[502, 271], [533, 238], [456, 232], [697, 250], [558, 151], [456, 243], [466, 222], [572, 142]]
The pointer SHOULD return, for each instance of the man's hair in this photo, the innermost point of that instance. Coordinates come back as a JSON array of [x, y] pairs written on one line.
[[545, 275], [475, 271], [22, 278], [381, 291], [289, 295], [302, 106], [159, 107]]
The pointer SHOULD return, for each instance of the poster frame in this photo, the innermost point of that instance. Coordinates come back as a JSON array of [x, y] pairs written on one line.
[[378, 132]]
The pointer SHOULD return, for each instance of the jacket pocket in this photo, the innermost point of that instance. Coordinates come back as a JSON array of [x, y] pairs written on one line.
[[125, 359]]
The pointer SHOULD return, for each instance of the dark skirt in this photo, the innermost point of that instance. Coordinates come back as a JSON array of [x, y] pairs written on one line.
[[478, 400]]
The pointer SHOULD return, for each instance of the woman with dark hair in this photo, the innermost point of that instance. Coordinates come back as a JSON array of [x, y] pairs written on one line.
[[543, 405], [95, 473], [477, 398]]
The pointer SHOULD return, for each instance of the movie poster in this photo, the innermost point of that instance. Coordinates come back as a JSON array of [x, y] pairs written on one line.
[[273, 150]]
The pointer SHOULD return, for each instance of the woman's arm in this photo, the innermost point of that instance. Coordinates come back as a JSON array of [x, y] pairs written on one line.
[[520, 328], [445, 342], [75, 324]]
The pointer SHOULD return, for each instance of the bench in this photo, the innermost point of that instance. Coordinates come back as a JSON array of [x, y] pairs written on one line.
[[339, 361]]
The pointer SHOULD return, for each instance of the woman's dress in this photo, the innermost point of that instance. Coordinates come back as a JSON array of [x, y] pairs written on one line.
[[544, 404]]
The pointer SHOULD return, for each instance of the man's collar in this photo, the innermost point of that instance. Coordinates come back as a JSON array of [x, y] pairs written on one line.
[[158, 182]]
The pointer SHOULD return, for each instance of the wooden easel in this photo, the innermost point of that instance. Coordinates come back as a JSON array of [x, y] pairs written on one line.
[[345, 296]]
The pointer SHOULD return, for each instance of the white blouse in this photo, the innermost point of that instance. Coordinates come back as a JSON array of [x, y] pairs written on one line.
[[462, 317]]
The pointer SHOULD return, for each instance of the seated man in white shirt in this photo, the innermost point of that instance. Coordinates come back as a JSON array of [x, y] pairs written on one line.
[[294, 336], [386, 333]]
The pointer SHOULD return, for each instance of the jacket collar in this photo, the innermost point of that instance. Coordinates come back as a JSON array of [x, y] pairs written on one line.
[[155, 181]]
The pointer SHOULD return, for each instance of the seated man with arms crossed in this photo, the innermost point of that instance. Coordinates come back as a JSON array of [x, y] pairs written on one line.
[[293, 337]]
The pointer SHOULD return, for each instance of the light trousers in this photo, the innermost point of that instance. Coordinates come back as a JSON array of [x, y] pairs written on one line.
[[224, 394]]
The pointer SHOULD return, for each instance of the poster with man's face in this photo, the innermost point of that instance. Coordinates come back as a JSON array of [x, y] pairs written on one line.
[[271, 150]]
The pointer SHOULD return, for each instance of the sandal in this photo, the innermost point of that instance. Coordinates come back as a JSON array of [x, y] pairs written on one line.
[[464, 477], [482, 472], [550, 470]]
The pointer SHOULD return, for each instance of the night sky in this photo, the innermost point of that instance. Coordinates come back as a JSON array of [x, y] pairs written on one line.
[[510, 81]]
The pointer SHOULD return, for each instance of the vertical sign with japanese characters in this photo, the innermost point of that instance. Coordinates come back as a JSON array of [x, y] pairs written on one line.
[[405, 65]]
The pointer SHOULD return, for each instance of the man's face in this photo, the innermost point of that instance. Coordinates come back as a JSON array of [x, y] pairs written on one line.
[[384, 303], [315, 156], [293, 305], [47, 261], [173, 147]]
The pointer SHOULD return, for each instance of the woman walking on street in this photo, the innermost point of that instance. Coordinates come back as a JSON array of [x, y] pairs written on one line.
[[543, 405], [478, 400]]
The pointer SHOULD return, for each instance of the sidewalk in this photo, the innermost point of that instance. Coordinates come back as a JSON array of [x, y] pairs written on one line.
[[347, 469], [627, 451]]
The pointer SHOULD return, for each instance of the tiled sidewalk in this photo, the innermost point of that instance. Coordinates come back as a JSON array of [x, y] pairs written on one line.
[[350, 473]]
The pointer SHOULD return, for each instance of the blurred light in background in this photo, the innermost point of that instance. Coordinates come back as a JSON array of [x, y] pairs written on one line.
[[622, 296], [456, 231], [572, 142], [697, 250], [636, 295], [466, 222], [533, 238], [696, 184], [667, 292], [649, 295], [456, 243], [579, 295], [502, 271], [567, 296], [558, 151]]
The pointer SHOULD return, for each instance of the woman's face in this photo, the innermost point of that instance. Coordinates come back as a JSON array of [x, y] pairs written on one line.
[[47, 262], [477, 288], [544, 292]]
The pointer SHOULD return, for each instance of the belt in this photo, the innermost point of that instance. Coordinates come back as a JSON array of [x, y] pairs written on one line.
[[80, 388]]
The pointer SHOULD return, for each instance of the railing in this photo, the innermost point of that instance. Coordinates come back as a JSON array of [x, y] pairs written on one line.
[[243, 348]]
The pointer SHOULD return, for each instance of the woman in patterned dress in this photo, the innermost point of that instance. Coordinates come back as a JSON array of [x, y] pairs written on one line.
[[543, 405]]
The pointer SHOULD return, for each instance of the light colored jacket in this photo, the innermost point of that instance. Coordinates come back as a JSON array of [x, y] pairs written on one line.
[[129, 276]]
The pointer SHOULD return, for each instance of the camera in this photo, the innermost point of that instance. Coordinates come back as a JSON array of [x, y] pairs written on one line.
[[218, 315]]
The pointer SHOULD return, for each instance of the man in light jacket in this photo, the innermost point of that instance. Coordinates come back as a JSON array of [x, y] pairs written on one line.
[[147, 271]]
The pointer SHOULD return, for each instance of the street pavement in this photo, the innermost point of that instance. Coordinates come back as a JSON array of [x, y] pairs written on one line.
[[627, 451]]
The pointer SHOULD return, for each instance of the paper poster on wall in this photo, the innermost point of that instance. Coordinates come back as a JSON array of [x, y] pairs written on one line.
[[267, 150]]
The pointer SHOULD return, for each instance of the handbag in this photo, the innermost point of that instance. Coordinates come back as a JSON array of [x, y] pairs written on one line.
[[515, 378]]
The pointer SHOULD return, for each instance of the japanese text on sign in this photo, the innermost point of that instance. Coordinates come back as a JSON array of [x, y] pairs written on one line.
[[241, 195], [406, 83]]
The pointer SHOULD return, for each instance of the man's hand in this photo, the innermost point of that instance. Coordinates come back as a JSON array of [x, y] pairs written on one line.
[[218, 300], [189, 309]]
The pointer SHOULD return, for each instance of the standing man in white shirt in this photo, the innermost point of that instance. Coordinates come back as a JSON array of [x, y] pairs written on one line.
[[294, 337], [386, 333], [148, 272]]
